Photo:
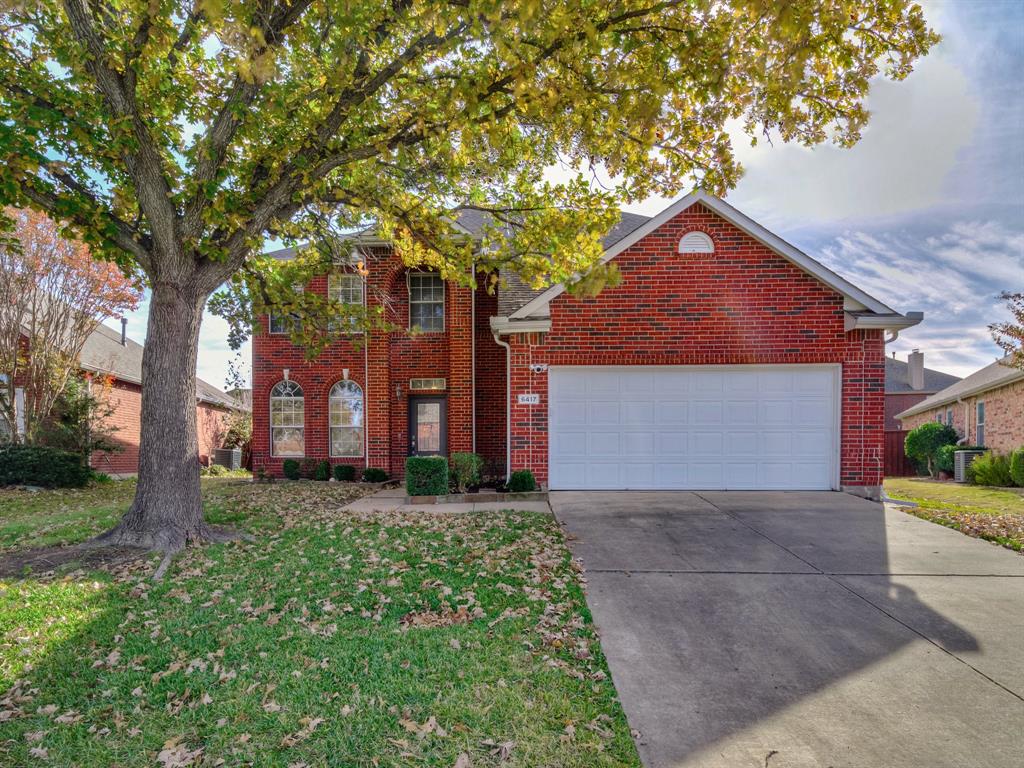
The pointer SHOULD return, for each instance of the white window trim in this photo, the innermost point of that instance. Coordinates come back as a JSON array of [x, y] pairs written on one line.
[[362, 293], [444, 300], [272, 427], [331, 426]]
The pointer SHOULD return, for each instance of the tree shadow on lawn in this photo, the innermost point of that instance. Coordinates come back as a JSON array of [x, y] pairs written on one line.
[[297, 650]]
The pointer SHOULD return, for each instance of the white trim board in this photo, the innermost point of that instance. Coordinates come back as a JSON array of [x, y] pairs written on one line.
[[740, 221]]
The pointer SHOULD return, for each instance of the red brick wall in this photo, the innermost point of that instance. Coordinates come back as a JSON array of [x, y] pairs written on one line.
[[125, 400], [383, 368], [741, 305], [1004, 417], [490, 386]]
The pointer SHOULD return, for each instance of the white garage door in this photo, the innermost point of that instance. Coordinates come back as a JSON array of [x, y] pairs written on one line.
[[730, 427]]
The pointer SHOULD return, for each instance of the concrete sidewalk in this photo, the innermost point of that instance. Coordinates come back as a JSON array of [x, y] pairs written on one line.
[[802, 630], [393, 500]]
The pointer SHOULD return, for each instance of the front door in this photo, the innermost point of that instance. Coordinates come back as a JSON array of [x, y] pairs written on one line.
[[428, 426]]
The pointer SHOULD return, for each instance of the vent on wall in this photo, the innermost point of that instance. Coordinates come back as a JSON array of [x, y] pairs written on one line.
[[696, 242]]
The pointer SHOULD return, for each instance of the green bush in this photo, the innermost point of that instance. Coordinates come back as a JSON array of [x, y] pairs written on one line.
[[309, 468], [945, 459], [374, 475], [990, 469], [214, 470], [322, 471], [41, 465], [923, 443], [344, 473], [426, 475], [521, 481], [291, 468], [1017, 467], [466, 471]]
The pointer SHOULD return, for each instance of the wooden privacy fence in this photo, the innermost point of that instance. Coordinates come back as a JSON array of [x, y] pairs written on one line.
[[896, 463]]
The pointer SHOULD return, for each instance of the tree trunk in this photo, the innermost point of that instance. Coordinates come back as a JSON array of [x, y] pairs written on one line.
[[167, 512]]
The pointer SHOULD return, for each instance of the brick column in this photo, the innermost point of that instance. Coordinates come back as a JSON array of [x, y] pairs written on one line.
[[460, 369], [378, 401]]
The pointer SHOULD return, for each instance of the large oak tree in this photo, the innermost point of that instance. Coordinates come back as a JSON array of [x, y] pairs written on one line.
[[175, 136]]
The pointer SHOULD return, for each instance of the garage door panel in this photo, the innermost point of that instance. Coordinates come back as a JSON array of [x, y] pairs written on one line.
[[708, 412], [672, 412], [743, 427], [604, 444], [640, 412]]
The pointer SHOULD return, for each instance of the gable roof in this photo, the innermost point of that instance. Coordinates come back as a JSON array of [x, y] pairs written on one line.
[[537, 306], [897, 378], [514, 293], [103, 353], [992, 376]]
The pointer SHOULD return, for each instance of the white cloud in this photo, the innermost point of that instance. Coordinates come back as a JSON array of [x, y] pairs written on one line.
[[917, 130]]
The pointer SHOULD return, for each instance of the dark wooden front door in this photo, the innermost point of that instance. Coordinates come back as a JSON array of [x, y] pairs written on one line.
[[428, 426]]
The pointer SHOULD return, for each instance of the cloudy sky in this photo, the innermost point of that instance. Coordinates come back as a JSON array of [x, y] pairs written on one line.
[[925, 213]]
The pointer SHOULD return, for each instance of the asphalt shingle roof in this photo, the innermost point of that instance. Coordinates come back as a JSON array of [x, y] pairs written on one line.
[[992, 376], [104, 353], [897, 378]]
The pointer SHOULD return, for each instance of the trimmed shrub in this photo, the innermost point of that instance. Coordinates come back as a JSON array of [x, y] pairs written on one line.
[[291, 469], [990, 469], [426, 475], [344, 473], [374, 475], [1017, 467], [214, 470], [521, 481], [944, 458], [41, 465], [923, 443], [323, 471], [309, 468], [466, 471]]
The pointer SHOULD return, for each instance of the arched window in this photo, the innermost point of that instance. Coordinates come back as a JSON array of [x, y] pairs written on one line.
[[696, 242], [346, 413], [287, 420]]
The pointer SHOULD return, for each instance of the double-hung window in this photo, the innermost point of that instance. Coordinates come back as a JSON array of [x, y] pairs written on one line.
[[979, 423], [287, 420], [346, 413], [346, 288], [426, 301]]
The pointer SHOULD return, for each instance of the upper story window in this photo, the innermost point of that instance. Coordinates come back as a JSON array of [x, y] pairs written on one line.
[[346, 412], [426, 301], [979, 424], [287, 420], [345, 288], [285, 323]]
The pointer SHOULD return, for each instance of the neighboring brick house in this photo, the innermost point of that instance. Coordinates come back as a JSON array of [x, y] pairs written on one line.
[[114, 363], [906, 384], [725, 358], [986, 408]]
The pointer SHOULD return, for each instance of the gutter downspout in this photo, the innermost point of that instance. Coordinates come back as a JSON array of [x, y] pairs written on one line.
[[366, 399], [472, 352], [508, 404]]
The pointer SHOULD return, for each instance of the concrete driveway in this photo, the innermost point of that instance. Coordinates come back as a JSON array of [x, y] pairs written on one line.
[[802, 629]]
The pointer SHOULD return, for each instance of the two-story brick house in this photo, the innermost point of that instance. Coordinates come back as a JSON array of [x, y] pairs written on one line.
[[725, 358]]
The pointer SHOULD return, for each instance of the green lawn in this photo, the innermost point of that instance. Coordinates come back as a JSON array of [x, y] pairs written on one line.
[[333, 639], [994, 514]]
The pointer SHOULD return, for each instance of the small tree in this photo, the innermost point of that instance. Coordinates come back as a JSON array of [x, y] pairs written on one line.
[[922, 444], [79, 421], [52, 296], [1010, 335]]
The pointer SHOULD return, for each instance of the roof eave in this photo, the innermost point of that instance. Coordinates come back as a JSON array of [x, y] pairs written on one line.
[[925, 405], [503, 326]]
